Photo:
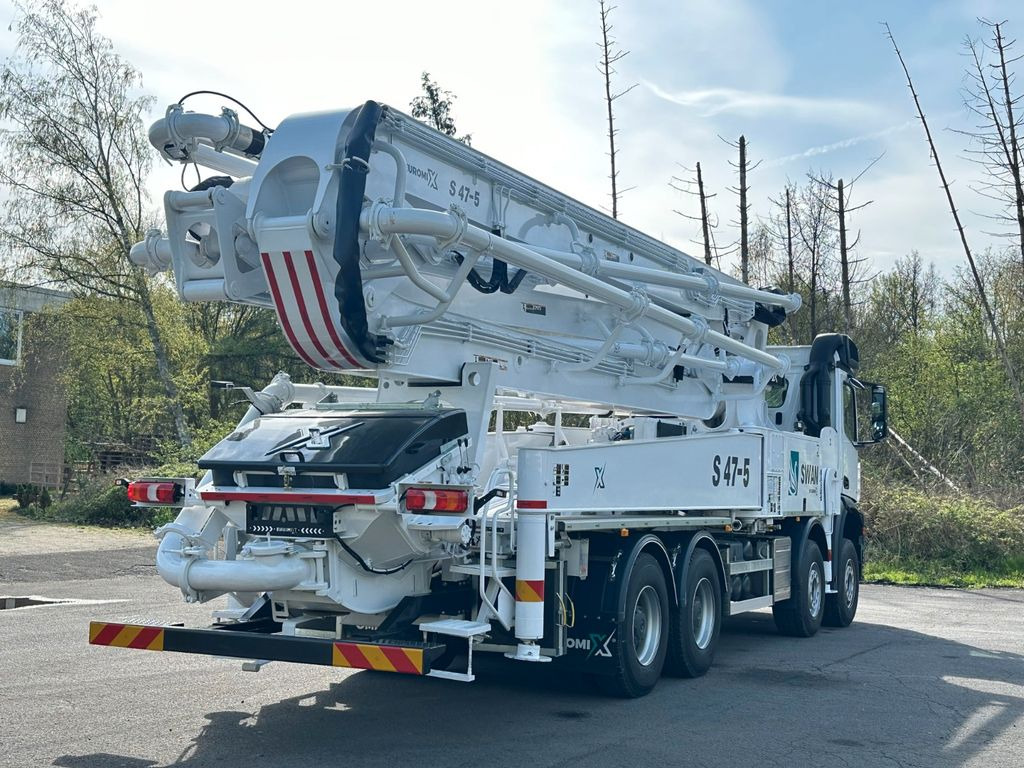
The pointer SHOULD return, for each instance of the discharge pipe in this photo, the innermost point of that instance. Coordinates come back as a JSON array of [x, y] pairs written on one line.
[[178, 133], [264, 566]]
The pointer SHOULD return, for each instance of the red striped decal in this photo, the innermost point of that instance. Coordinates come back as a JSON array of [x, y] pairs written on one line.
[[322, 301], [289, 498], [145, 637], [354, 655], [530, 590], [531, 504], [282, 315], [400, 661], [293, 278], [107, 634]]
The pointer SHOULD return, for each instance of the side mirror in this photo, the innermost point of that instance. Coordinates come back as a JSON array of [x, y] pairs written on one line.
[[879, 414]]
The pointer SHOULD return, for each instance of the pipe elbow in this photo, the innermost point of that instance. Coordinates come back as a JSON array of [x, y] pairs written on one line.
[[265, 567]]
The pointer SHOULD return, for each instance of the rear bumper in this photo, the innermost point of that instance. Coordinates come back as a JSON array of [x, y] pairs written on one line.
[[258, 640]]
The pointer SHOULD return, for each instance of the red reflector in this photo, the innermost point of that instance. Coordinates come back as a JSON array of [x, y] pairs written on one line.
[[149, 492], [430, 500]]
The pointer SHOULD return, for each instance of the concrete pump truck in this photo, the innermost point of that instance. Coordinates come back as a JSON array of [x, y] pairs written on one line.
[[677, 468]]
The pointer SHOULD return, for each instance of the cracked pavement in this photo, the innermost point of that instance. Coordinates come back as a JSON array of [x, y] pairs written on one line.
[[925, 677]]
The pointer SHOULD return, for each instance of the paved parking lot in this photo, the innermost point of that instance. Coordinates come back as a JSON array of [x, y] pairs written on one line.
[[924, 678]]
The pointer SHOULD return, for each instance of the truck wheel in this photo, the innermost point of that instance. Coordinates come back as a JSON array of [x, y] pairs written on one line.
[[841, 607], [642, 636], [693, 634], [801, 615]]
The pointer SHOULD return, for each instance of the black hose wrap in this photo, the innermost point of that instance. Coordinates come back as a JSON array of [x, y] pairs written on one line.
[[348, 288]]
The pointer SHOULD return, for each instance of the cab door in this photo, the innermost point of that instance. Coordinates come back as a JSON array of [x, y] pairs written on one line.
[[850, 391]]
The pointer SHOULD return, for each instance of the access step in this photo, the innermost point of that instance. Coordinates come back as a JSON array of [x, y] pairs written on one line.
[[456, 627]]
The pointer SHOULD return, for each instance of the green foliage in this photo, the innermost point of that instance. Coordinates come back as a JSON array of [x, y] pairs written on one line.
[[907, 527], [98, 502], [949, 395], [434, 108], [28, 494]]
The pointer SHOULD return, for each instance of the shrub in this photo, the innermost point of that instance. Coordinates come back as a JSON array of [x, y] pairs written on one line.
[[97, 502], [32, 495], [904, 523]]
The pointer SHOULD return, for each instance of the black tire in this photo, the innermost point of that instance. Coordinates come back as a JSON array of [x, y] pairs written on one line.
[[642, 637], [841, 608], [801, 614], [696, 623]]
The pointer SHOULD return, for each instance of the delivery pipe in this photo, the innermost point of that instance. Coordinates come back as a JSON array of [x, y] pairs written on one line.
[[399, 221], [264, 567]]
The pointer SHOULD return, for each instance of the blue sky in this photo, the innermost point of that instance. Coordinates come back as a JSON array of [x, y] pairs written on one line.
[[812, 85]]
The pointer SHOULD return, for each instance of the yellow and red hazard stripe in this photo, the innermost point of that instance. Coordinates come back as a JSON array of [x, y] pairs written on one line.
[[530, 590], [384, 658], [126, 636]]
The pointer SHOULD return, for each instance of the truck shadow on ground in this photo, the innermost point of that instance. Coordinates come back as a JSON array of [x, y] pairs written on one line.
[[871, 694]]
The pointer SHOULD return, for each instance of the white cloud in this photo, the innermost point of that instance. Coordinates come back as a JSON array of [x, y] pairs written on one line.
[[715, 101], [824, 149]]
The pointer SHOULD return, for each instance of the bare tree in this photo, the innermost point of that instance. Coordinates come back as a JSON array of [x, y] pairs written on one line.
[[850, 268], [744, 211], [791, 278], [73, 159], [816, 232], [1011, 372], [742, 168], [434, 107], [989, 97], [611, 55], [706, 225]]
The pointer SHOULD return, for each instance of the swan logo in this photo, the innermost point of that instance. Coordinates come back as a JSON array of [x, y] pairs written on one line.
[[794, 472]]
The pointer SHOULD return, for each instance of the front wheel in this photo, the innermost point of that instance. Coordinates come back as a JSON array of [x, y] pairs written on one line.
[[642, 637], [801, 614], [696, 624], [841, 607]]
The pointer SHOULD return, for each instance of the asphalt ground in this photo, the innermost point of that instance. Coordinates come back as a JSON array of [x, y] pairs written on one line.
[[924, 677]]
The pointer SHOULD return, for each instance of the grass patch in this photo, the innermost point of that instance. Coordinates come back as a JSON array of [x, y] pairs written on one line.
[[911, 572]]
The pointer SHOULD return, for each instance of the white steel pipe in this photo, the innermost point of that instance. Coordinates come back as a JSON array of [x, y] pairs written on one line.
[[179, 133], [388, 220], [791, 302], [232, 165], [198, 576]]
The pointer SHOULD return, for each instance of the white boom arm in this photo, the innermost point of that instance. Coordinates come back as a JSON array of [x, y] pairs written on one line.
[[384, 246]]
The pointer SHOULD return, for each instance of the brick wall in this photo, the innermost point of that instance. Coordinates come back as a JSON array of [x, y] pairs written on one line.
[[33, 451]]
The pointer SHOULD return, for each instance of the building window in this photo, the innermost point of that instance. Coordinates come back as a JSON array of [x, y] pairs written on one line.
[[10, 336]]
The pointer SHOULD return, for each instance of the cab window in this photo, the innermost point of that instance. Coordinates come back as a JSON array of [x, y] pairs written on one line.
[[775, 392], [850, 411]]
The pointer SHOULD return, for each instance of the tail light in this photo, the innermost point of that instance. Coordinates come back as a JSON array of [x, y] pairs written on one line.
[[151, 492], [434, 500]]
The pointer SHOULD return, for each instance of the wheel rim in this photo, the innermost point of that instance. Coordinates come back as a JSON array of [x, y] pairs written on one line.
[[814, 590], [646, 625], [850, 582], [703, 613]]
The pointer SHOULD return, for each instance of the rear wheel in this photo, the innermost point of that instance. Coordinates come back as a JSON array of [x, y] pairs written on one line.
[[642, 636], [841, 607], [693, 634], [801, 614]]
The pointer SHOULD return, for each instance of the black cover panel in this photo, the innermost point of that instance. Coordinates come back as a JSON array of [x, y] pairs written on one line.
[[374, 448]]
